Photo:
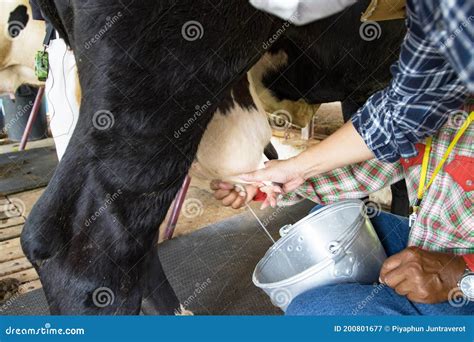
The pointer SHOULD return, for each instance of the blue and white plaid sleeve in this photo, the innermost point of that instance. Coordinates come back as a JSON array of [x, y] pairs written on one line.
[[450, 25], [424, 90]]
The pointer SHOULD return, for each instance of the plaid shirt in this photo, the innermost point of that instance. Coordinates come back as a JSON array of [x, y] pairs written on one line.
[[445, 221], [433, 76]]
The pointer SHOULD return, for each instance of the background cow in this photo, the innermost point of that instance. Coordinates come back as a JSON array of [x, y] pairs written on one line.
[[20, 38]]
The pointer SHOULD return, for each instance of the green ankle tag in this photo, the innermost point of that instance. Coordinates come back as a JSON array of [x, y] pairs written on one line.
[[41, 65]]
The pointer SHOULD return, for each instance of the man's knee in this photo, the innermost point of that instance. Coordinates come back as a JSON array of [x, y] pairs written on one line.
[[315, 302], [350, 299]]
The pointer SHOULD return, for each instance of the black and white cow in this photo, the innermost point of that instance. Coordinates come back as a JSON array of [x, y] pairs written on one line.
[[153, 74]]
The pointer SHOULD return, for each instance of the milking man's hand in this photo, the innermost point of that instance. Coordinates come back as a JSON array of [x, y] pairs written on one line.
[[344, 147], [230, 196]]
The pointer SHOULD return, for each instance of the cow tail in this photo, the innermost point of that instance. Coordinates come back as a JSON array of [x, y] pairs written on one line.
[[50, 12]]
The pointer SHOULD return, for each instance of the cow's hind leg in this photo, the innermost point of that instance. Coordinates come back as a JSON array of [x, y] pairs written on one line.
[[159, 297], [149, 91], [90, 232]]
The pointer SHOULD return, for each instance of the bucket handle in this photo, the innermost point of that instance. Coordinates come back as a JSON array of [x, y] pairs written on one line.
[[335, 247], [285, 230], [343, 262]]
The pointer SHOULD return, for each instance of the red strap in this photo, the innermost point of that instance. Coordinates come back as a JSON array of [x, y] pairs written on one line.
[[469, 259], [260, 196]]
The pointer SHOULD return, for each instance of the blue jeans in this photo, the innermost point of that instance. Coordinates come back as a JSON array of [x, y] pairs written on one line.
[[357, 299]]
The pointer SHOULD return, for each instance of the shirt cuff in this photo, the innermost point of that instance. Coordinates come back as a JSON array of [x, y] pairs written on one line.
[[469, 259], [380, 141]]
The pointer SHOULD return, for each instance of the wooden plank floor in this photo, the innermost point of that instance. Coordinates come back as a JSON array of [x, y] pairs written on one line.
[[13, 263]]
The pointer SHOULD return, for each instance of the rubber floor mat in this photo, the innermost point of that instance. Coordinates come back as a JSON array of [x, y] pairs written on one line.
[[27, 170], [210, 269]]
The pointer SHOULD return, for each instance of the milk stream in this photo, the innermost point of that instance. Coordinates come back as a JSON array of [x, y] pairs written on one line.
[[260, 223], [241, 188]]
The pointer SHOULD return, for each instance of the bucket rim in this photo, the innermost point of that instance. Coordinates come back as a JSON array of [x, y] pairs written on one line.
[[328, 209]]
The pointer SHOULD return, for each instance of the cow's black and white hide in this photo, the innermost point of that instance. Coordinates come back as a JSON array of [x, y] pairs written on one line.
[[20, 38], [235, 140], [94, 230], [296, 71]]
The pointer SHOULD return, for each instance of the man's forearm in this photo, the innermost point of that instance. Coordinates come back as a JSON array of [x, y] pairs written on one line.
[[344, 147]]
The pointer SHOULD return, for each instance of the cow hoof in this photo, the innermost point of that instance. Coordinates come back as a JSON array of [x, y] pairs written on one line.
[[182, 311]]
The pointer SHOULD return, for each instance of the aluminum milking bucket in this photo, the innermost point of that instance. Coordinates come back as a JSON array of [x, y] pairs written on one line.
[[336, 244]]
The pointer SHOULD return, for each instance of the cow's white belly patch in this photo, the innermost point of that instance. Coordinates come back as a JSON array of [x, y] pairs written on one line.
[[233, 143]]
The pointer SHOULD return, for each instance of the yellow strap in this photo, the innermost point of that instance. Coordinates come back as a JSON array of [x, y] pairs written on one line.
[[424, 169]]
